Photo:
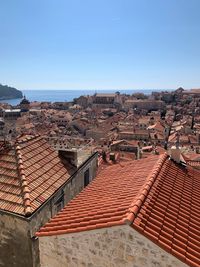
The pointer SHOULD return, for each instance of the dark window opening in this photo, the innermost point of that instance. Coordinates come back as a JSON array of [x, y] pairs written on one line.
[[59, 206], [86, 177], [59, 202]]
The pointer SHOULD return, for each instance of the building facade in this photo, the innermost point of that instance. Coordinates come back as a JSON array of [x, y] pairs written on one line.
[[35, 185]]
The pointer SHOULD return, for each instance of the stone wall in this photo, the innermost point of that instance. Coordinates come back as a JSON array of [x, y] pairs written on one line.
[[15, 246], [76, 184], [108, 247], [69, 191], [18, 245]]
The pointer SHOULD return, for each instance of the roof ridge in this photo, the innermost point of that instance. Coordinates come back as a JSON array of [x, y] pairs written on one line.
[[27, 138], [143, 193], [24, 184]]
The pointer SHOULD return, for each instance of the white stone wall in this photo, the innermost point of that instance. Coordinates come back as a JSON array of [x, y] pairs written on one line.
[[108, 247]]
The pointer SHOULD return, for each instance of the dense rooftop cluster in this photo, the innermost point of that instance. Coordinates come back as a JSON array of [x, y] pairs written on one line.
[[151, 120], [100, 163]]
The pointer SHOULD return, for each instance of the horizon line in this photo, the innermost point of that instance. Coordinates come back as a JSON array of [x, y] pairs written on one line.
[[97, 89]]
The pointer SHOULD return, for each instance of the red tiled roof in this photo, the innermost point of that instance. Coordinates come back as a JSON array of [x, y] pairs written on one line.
[[191, 156], [194, 163], [170, 214], [172, 137], [188, 158], [164, 205], [158, 126], [30, 172], [105, 201]]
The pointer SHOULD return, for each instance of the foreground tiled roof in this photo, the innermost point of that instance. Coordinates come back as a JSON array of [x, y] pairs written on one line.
[[30, 172], [105, 201], [170, 214], [157, 197]]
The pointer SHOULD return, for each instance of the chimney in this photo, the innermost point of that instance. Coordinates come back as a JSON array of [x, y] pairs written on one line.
[[69, 156], [139, 153], [175, 154], [175, 151], [112, 157], [104, 156]]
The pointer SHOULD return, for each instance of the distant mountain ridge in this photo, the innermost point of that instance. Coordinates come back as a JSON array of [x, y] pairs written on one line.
[[7, 92]]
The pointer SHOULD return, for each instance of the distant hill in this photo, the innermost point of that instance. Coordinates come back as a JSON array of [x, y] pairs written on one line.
[[7, 92]]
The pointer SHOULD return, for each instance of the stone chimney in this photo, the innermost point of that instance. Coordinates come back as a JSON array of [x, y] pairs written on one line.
[[69, 156], [139, 153], [175, 151], [175, 154]]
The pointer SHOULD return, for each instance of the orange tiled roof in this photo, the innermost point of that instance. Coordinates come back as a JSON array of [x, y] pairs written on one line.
[[170, 213], [191, 156], [194, 163], [30, 172], [192, 159], [105, 201], [164, 205]]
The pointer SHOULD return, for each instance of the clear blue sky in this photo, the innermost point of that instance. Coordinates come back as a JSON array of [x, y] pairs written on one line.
[[100, 44]]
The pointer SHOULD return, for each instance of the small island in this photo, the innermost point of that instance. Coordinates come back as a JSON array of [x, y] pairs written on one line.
[[7, 92]]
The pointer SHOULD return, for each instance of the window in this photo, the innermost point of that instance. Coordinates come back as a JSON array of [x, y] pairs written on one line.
[[59, 206], [86, 177], [59, 202]]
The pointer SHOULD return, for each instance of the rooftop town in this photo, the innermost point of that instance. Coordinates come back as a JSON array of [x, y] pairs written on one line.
[[105, 180]]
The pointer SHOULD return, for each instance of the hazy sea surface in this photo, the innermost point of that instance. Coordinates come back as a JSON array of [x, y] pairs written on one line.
[[68, 95]]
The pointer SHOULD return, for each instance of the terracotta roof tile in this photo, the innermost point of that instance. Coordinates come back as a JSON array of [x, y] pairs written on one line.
[[105, 201], [170, 214], [30, 172], [157, 197]]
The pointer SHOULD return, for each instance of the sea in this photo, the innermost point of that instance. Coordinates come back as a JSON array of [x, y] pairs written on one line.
[[69, 95]]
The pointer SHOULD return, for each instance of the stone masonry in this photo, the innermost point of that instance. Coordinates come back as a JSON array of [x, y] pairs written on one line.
[[107, 247]]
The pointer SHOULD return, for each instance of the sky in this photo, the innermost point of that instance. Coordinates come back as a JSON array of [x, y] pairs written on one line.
[[100, 44]]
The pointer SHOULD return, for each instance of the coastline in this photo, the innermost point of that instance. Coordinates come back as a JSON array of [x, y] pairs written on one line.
[[69, 95]]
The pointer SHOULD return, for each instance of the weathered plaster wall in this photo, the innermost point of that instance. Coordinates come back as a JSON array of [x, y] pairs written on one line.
[[15, 246], [108, 247]]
